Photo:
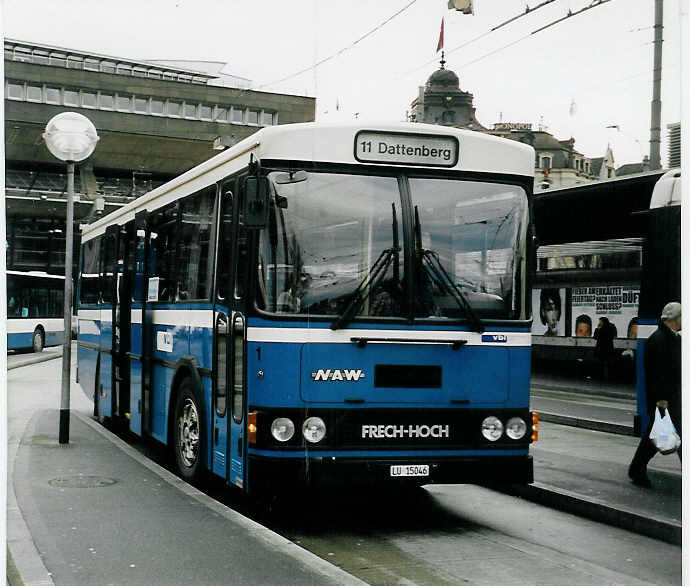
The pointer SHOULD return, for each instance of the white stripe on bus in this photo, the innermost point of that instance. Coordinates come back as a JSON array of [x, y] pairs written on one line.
[[199, 318], [23, 325], [328, 336], [204, 318]]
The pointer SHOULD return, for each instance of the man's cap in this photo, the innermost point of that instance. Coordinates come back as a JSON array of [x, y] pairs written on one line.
[[671, 310]]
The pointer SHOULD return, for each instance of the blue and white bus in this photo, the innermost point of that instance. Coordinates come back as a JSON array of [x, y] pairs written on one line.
[[35, 305], [322, 304]]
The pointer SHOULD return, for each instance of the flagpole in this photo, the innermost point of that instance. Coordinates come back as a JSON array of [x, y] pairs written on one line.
[[439, 47]]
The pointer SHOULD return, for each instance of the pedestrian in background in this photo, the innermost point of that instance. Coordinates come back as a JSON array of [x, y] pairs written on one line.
[[663, 382], [604, 335]]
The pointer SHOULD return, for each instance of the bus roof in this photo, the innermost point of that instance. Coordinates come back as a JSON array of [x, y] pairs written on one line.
[[403, 144], [667, 191]]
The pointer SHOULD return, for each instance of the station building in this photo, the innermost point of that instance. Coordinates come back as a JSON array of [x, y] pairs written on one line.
[[155, 120]]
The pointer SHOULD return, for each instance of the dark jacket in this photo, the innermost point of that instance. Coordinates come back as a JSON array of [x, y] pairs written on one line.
[[662, 368], [604, 337]]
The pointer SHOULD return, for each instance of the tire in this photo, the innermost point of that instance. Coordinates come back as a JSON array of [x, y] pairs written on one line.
[[188, 433], [37, 340]]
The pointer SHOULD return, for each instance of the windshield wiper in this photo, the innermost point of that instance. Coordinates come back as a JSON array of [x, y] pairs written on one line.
[[378, 270], [431, 265]]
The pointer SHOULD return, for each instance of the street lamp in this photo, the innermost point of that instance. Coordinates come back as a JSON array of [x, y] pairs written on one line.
[[70, 137]]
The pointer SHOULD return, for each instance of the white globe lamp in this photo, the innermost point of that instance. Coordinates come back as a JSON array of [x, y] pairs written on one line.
[[70, 137]]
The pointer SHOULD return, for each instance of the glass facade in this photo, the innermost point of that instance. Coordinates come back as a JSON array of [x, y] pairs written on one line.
[[138, 104]]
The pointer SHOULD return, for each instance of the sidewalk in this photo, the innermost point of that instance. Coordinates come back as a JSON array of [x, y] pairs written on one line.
[[581, 461], [585, 472], [96, 511]]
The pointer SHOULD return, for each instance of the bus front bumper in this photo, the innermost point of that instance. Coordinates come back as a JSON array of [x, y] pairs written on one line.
[[266, 472]]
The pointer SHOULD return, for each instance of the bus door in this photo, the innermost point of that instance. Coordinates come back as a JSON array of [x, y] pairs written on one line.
[[238, 354], [229, 418], [221, 320], [122, 326], [108, 270], [138, 354]]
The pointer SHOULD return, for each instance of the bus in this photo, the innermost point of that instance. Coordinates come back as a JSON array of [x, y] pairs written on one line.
[[661, 273], [322, 305], [35, 305]]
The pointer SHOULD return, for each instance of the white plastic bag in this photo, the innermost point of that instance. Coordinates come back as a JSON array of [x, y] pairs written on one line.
[[663, 434]]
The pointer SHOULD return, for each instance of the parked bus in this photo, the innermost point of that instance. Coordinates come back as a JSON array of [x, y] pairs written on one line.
[[35, 305], [661, 260], [322, 304]]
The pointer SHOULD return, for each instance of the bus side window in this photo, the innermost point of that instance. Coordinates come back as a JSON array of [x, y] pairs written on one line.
[[241, 266], [107, 267], [225, 244], [89, 290], [164, 229], [195, 245]]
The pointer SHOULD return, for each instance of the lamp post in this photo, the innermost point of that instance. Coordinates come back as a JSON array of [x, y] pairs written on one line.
[[71, 138]]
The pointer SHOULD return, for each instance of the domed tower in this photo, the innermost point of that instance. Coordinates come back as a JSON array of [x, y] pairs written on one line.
[[441, 101]]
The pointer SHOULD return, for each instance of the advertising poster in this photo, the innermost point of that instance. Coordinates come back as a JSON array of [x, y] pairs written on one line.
[[618, 303], [548, 312]]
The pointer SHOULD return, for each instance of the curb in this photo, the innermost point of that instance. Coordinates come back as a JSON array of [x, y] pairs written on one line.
[[591, 508], [592, 424], [35, 360], [584, 391], [13, 576]]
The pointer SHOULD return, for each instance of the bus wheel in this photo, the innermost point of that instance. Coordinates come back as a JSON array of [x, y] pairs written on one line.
[[37, 341], [188, 432]]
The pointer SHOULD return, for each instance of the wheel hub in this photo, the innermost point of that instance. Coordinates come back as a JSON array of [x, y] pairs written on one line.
[[188, 428]]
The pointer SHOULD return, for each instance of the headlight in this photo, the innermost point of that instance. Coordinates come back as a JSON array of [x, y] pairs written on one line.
[[314, 430], [516, 428], [282, 429], [492, 428]]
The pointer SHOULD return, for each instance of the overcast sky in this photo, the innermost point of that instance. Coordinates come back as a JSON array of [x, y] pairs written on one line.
[[575, 78]]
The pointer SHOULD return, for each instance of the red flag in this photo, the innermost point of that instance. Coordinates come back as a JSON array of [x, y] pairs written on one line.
[[440, 38]]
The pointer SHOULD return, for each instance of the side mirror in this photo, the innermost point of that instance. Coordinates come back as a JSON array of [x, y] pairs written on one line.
[[255, 211]]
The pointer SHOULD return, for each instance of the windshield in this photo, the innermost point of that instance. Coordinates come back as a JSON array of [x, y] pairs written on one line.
[[334, 247], [327, 235], [471, 235]]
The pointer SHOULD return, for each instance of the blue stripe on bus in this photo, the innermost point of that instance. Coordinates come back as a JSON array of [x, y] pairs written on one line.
[[21, 340]]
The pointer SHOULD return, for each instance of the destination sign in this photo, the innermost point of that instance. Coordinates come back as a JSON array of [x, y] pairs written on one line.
[[394, 148]]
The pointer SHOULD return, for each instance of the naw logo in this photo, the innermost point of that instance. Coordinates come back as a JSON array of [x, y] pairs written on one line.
[[337, 374]]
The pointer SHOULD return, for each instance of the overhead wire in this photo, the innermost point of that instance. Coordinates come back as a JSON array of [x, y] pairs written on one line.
[[570, 14], [527, 11], [342, 50]]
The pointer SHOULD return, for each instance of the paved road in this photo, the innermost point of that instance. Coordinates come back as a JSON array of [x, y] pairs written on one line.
[[456, 534]]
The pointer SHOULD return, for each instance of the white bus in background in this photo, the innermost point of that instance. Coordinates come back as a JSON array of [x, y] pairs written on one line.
[[35, 305]]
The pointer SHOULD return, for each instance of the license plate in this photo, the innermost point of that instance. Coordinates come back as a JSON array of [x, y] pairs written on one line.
[[410, 470]]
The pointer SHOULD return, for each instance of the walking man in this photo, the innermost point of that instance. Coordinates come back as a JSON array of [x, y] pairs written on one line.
[[604, 335], [663, 382]]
